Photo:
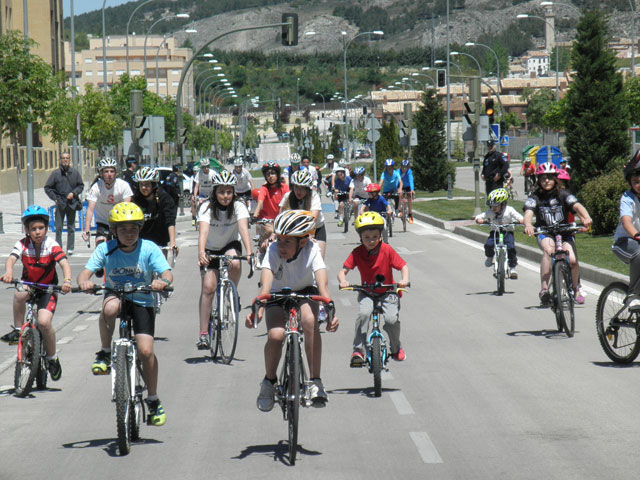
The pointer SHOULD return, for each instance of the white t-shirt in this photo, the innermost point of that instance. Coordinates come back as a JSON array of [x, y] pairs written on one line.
[[105, 198], [509, 215], [359, 187], [225, 230], [206, 183], [316, 204], [244, 180], [297, 274]]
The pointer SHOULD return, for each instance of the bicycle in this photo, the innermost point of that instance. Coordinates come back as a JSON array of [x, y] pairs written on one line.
[[347, 207], [618, 323], [529, 182], [561, 283], [501, 270], [258, 239], [31, 363], [127, 381], [293, 377], [223, 321], [377, 354], [404, 210], [159, 297], [388, 226]]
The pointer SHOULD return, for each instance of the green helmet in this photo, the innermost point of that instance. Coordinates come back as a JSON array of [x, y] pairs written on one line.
[[497, 197]]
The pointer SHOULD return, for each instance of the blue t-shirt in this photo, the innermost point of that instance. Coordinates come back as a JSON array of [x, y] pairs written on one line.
[[136, 267], [391, 181], [342, 185], [377, 205], [407, 180]]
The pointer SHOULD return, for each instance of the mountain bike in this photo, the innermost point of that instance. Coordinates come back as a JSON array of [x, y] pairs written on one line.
[[501, 270], [561, 282], [618, 323], [404, 210], [223, 321], [31, 364], [293, 379], [377, 354], [160, 296], [347, 208]]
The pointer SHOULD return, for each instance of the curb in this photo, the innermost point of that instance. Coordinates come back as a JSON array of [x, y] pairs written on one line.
[[590, 273]]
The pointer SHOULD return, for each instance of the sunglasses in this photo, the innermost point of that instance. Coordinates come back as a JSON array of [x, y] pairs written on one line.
[[547, 177]]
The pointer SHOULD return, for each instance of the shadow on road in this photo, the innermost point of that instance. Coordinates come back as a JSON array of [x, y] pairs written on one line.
[[279, 451], [550, 334], [495, 293], [364, 391], [198, 360], [616, 365], [109, 445]]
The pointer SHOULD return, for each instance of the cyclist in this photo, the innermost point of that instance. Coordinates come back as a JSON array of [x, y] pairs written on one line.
[[406, 176], [129, 259], [269, 197], [528, 170], [360, 183], [303, 197], [344, 164], [499, 212], [331, 165], [294, 159], [127, 175], [224, 223], [39, 255], [391, 183], [342, 187], [374, 257], [203, 184], [551, 205], [245, 183], [158, 209], [295, 262], [376, 202], [316, 174]]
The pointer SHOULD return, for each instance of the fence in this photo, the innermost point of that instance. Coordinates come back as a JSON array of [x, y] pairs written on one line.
[[80, 216]]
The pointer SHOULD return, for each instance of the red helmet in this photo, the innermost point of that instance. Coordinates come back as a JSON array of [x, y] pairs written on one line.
[[546, 168], [372, 187]]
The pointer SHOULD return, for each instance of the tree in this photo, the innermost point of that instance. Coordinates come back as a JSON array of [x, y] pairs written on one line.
[[100, 127], [538, 103], [388, 146], [335, 147], [597, 114], [61, 123], [201, 139], [632, 98], [430, 167]]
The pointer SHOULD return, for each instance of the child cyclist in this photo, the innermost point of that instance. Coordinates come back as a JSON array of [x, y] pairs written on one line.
[[343, 189], [551, 205], [360, 183], [224, 223], [372, 258], [245, 182], [391, 182], [406, 175], [295, 262], [499, 212], [129, 259], [269, 197], [39, 255], [376, 202]]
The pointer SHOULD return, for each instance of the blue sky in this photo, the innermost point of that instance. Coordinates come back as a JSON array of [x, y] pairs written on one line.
[[84, 6]]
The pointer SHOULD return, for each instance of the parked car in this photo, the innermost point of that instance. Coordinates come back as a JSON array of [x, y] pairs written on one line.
[[363, 153], [187, 180]]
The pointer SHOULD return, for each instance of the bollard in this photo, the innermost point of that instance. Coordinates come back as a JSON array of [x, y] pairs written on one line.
[[1, 224], [449, 187]]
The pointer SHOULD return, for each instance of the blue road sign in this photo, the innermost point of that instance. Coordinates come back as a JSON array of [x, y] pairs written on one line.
[[504, 141], [495, 131]]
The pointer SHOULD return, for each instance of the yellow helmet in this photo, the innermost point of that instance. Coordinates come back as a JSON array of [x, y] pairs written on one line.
[[126, 212], [369, 220]]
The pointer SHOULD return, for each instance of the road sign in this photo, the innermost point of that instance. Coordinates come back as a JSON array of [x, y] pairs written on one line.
[[373, 122], [495, 131], [414, 138], [373, 135], [483, 129], [504, 141]]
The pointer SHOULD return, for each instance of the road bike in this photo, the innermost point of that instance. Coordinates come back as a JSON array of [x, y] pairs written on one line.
[[501, 270], [388, 226], [223, 321], [291, 388], [404, 210], [377, 353], [127, 381], [31, 363], [529, 182], [618, 323], [160, 296], [561, 282], [258, 239]]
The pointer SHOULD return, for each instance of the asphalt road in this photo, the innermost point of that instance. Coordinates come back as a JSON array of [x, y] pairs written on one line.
[[488, 390]]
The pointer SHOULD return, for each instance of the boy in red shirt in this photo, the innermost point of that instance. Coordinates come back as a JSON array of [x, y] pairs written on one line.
[[269, 197], [373, 258]]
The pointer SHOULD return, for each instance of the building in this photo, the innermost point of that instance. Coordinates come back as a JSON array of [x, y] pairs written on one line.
[[536, 62]]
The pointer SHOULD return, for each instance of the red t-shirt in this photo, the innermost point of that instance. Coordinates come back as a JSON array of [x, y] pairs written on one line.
[[271, 198], [41, 269], [372, 265]]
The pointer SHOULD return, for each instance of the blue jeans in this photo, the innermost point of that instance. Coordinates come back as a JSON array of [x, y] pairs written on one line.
[[509, 241]]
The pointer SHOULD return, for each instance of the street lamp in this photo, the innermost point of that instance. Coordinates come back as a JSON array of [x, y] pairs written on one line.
[[473, 44], [128, 22], [470, 56], [555, 41], [298, 93], [104, 48], [166, 17]]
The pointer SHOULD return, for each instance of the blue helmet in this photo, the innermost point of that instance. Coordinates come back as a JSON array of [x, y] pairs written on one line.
[[389, 162], [35, 212], [358, 171], [406, 162]]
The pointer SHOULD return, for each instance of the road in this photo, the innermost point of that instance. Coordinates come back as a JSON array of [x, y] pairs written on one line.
[[488, 390]]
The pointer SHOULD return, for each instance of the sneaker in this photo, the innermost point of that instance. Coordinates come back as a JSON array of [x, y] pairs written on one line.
[[55, 369], [203, 342], [156, 416], [102, 363], [634, 305], [410, 218], [545, 297], [69, 253], [357, 359], [488, 262], [399, 356], [12, 337], [340, 223], [578, 297], [193, 222], [266, 397], [514, 274], [317, 395]]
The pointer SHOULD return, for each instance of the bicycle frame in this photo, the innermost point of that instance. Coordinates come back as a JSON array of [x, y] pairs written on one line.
[[375, 332]]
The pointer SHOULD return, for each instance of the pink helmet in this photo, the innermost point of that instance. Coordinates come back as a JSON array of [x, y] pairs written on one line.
[[563, 174], [546, 168]]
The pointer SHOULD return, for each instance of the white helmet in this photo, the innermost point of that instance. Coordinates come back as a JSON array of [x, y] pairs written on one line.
[[302, 178], [343, 163], [330, 156], [107, 162], [294, 223], [224, 177], [295, 158], [238, 162], [147, 174]]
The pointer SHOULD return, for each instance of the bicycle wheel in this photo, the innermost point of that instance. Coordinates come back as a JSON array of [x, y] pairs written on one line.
[[390, 224], [346, 215], [376, 366], [293, 396], [137, 412], [123, 399], [213, 330], [405, 212], [28, 359], [42, 373], [228, 322], [385, 232], [500, 272], [564, 298], [616, 326]]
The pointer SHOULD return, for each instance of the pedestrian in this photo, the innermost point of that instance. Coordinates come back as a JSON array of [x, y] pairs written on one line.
[[172, 184], [64, 187], [127, 175], [494, 168]]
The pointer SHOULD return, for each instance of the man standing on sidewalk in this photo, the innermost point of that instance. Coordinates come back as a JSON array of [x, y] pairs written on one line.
[[494, 168], [64, 187]]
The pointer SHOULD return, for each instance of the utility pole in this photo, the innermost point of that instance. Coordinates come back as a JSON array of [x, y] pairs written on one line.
[[476, 107]]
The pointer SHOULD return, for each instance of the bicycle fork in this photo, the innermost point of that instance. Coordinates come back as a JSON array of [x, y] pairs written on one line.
[[375, 332]]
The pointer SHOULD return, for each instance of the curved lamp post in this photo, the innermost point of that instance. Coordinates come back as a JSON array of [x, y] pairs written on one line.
[[128, 23], [555, 41], [473, 44], [470, 56], [146, 37]]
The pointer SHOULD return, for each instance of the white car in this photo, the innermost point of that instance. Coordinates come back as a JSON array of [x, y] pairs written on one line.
[[187, 181]]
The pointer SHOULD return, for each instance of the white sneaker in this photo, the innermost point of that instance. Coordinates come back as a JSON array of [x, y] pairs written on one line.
[[266, 398], [488, 262], [514, 274], [317, 394], [634, 306], [69, 252]]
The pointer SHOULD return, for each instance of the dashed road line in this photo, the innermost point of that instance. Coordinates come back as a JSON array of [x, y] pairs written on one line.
[[401, 403], [426, 448], [80, 328], [64, 340]]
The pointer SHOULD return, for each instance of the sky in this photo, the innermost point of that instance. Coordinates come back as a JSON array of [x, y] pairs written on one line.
[[84, 6]]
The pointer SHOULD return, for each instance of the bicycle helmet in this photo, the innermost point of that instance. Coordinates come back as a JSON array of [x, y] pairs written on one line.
[[294, 223], [330, 156], [204, 162], [147, 174], [497, 197], [358, 171], [107, 162], [238, 162], [633, 167], [369, 220], [372, 188], [563, 174], [295, 158], [302, 178], [35, 212], [343, 163], [224, 178], [340, 170], [126, 212], [546, 168], [406, 162], [389, 162], [270, 166]]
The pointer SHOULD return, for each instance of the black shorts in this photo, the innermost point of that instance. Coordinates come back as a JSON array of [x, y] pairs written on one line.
[[245, 196], [342, 196], [214, 263], [406, 189], [144, 318], [321, 234], [47, 301]]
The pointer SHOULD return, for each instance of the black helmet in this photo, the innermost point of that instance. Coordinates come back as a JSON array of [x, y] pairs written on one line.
[[633, 167]]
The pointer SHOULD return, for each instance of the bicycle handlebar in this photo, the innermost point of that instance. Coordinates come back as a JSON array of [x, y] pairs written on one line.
[[367, 288], [123, 289], [236, 257], [45, 287], [279, 297], [501, 225], [559, 228]]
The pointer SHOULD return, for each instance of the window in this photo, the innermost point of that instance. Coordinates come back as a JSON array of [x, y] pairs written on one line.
[[163, 84], [135, 72], [88, 60], [176, 72], [119, 72], [174, 84], [151, 84], [89, 73]]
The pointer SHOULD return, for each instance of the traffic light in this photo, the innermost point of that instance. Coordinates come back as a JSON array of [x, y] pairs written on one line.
[[503, 128], [182, 136], [488, 109], [137, 128], [442, 78], [290, 30]]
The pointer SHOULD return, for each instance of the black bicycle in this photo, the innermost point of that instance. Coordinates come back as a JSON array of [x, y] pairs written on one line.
[[501, 270], [618, 323]]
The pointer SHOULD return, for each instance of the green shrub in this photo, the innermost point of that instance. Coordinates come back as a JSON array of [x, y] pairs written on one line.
[[601, 198]]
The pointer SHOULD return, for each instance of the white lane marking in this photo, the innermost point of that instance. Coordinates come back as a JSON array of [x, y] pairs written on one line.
[[7, 363], [405, 251], [386, 375], [426, 448], [345, 301], [64, 340], [80, 328], [92, 318], [401, 403]]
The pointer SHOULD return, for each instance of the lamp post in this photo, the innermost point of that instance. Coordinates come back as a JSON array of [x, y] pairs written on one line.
[[128, 22], [473, 44], [555, 40], [453, 54], [166, 17], [298, 93], [208, 82], [424, 84], [104, 48], [164, 42], [74, 147]]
